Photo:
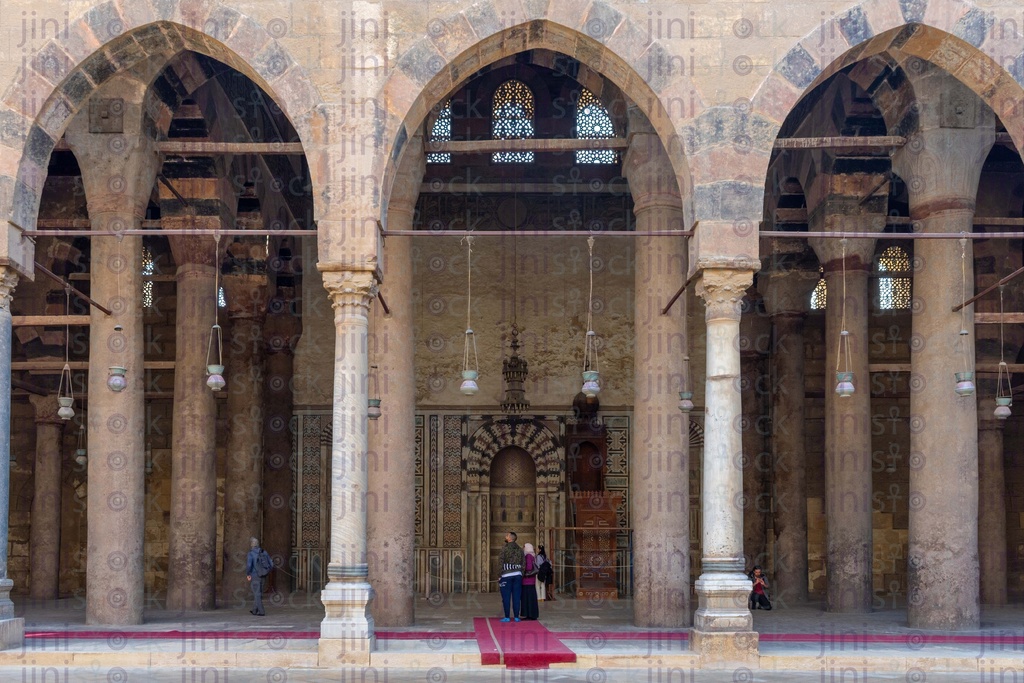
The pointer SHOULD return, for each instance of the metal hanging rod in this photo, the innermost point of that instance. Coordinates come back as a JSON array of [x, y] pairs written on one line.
[[174, 232], [538, 233], [895, 235], [240, 232]]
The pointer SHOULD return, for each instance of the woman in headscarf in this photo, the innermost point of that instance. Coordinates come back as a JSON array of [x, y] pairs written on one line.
[[530, 609]]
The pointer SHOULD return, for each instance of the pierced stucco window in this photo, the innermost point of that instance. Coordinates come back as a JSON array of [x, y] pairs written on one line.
[[819, 297], [441, 132], [893, 291], [593, 123], [512, 119]]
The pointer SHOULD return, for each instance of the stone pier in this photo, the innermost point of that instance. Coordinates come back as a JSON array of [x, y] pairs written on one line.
[[391, 512], [991, 504], [659, 467], [118, 185]]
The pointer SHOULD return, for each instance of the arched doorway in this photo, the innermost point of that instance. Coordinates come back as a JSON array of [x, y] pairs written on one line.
[[513, 500]]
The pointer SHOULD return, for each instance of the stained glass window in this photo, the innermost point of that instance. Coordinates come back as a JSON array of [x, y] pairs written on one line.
[[442, 131], [894, 292], [148, 268], [222, 299], [593, 123], [819, 297], [512, 119]]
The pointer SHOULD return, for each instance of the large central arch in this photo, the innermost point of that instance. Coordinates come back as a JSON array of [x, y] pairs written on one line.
[[460, 44]]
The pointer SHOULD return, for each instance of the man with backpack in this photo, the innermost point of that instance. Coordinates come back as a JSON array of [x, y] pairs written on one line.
[[257, 566]]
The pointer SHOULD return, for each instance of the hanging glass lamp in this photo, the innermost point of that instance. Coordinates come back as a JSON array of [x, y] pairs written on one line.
[[591, 373], [1004, 391], [116, 380], [844, 376], [373, 407], [65, 394], [470, 372], [215, 370], [80, 453], [964, 378]]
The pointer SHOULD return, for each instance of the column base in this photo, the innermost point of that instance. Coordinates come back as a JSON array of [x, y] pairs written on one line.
[[721, 650], [722, 603], [12, 629], [346, 633]]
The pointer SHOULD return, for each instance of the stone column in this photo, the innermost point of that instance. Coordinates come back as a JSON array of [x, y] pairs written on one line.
[[12, 629], [245, 290], [193, 538], [991, 505], [659, 466], [941, 165], [391, 513], [346, 633], [281, 333], [842, 206], [44, 535], [192, 548], [723, 626], [118, 184], [787, 297]]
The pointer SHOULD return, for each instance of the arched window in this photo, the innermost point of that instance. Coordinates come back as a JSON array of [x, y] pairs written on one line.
[[819, 297], [593, 123], [512, 119], [222, 298], [441, 132], [148, 268], [894, 292]]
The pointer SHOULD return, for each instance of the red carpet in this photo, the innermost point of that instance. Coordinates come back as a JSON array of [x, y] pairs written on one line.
[[519, 645]]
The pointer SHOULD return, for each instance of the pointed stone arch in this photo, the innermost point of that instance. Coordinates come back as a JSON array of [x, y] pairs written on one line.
[[111, 39], [602, 38], [959, 39]]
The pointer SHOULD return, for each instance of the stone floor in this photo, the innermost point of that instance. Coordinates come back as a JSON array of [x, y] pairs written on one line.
[[831, 647]]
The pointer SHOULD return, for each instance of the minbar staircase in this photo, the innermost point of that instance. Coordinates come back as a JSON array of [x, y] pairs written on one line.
[[596, 529]]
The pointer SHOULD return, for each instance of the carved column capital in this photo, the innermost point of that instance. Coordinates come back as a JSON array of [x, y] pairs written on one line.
[[46, 409], [787, 292], [8, 281], [351, 292], [723, 291]]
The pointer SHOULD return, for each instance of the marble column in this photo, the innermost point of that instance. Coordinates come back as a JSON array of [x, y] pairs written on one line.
[[44, 534], [659, 464], [991, 505], [246, 296], [723, 626], [942, 166], [841, 206], [12, 629], [347, 631], [281, 333], [391, 510], [787, 298], [118, 185]]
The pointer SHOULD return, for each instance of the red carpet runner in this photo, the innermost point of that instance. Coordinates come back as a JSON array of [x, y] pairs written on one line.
[[522, 645]]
